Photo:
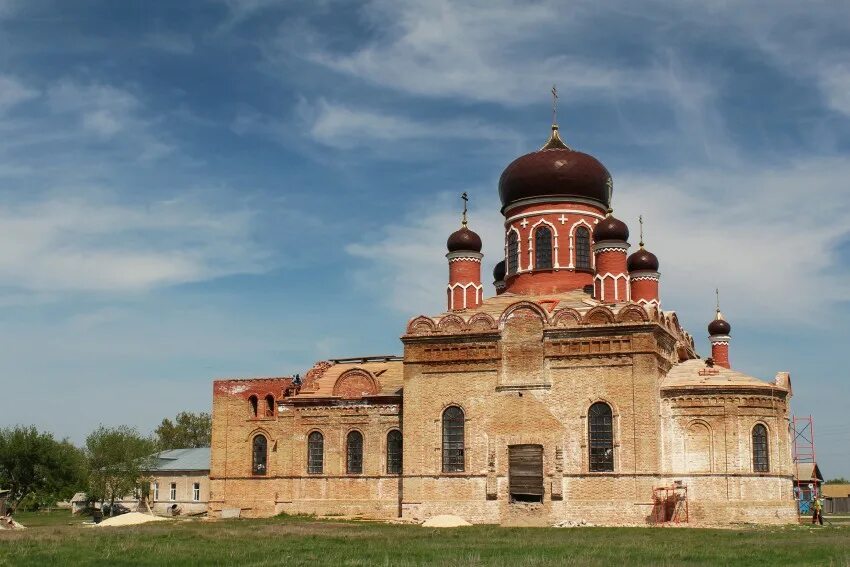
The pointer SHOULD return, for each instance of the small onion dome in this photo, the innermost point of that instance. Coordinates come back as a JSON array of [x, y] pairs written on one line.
[[555, 171], [719, 326], [499, 272], [611, 228], [464, 239], [642, 260]]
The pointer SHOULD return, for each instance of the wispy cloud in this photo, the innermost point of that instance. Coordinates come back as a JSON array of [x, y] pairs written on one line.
[[67, 245], [13, 91]]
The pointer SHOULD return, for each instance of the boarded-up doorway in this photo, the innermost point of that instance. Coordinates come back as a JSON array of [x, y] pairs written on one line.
[[526, 473]]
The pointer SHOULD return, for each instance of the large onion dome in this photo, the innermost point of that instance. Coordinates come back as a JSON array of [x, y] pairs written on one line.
[[719, 326], [499, 272], [642, 261], [464, 240], [611, 228], [556, 171]]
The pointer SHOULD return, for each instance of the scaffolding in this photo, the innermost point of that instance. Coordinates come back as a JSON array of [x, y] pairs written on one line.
[[803, 453], [670, 504]]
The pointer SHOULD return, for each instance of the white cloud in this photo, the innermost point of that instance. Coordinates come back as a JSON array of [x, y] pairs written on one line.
[[68, 245], [769, 246], [179, 44], [13, 91], [103, 110]]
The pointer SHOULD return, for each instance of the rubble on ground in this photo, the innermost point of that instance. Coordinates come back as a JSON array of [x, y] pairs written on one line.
[[445, 521], [573, 524], [130, 519]]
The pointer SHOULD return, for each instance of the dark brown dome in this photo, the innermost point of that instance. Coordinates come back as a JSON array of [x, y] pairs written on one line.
[[499, 272], [611, 228], [642, 260], [464, 240], [719, 326], [555, 171]]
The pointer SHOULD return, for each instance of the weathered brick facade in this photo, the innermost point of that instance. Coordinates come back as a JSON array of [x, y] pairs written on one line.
[[570, 395]]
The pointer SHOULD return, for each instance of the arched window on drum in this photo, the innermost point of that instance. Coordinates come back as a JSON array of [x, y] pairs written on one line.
[[543, 248]]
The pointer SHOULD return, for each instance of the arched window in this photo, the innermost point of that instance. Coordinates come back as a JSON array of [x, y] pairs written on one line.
[[582, 248], [354, 453], [761, 457], [543, 248], [259, 454], [453, 445], [253, 401], [513, 252], [600, 433], [394, 452], [269, 406], [315, 453]]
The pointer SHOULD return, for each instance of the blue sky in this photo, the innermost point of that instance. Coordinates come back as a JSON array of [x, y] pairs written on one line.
[[237, 188]]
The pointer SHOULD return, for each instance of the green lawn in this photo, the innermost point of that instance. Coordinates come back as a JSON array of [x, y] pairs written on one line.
[[301, 541]]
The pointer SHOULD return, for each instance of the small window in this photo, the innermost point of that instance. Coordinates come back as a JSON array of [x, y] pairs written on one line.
[[582, 248], [543, 248], [253, 401], [156, 491], [513, 252], [269, 406], [354, 453], [315, 453], [394, 452], [196, 491], [259, 454], [172, 494], [600, 431], [453, 440], [761, 458]]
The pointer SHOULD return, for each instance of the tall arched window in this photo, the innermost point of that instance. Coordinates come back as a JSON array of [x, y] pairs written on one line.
[[600, 433], [543, 248], [453, 443], [259, 453], [394, 452], [354, 453], [269, 406], [315, 453], [253, 401], [582, 248], [513, 252], [761, 457]]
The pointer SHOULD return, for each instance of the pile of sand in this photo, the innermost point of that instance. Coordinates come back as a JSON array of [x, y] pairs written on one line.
[[445, 521], [130, 519]]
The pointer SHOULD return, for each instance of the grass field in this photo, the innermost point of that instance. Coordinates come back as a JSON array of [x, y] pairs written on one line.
[[302, 541]]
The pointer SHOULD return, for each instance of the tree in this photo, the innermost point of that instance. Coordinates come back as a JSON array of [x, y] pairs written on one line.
[[839, 480], [117, 459], [188, 430], [36, 467]]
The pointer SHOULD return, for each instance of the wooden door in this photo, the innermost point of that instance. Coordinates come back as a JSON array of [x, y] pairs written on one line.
[[525, 475]]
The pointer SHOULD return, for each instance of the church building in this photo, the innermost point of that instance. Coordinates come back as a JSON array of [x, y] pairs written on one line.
[[566, 392]]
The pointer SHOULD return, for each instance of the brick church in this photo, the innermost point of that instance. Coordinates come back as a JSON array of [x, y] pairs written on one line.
[[565, 393]]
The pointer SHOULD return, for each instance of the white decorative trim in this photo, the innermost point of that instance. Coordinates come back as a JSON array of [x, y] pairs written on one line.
[[654, 302], [616, 277], [645, 275], [479, 293], [499, 285], [467, 256], [554, 244], [519, 269], [597, 216], [720, 339], [555, 199], [609, 246]]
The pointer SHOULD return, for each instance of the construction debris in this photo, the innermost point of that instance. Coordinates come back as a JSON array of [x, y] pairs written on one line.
[[573, 524], [445, 521], [130, 519]]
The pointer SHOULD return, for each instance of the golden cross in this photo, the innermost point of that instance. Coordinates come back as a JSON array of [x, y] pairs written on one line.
[[465, 198], [554, 105], [717, 295]]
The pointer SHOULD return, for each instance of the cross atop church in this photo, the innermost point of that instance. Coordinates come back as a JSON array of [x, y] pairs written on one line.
[[465, 198], [640, 220], [717, 296], [554, 105]]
